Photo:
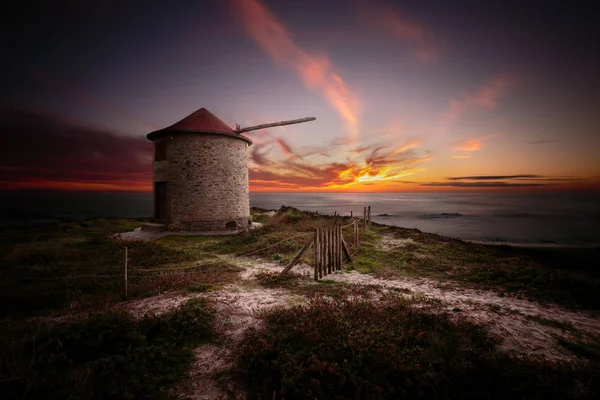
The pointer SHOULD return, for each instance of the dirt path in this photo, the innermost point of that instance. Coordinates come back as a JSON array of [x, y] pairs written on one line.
[[507, 318]]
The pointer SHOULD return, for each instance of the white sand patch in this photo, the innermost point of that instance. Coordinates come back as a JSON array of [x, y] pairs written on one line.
[[504, 316], [389, 242], [158, 305], [254, 266], [237, 306]]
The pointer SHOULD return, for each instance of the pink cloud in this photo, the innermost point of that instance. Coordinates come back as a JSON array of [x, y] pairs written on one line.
[[387, 18], [315, 71], [472, 144], [486, 96]]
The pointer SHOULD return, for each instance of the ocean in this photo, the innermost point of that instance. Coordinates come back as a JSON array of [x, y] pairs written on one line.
[[569, 219]]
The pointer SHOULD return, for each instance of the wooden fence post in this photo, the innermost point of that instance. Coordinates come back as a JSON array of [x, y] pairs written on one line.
[[337, 245], [323, 252], [330, 249], [340, 245], [125, 272], [296, 258], [369, 214], [317, 244], [365, 218], [350, 213]]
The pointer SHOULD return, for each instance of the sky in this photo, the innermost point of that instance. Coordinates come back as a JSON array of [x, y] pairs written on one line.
[[408, 95]]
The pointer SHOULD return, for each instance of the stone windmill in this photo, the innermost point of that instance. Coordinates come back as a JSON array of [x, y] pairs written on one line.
[[200, 180]]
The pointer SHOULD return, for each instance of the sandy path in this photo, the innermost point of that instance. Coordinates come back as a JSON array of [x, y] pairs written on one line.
[[237, 304]]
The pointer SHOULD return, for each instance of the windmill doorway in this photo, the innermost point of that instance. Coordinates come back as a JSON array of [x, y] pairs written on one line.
[[161, 211]]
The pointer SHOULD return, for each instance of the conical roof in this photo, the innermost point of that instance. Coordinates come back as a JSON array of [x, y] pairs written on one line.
[[201, 121]]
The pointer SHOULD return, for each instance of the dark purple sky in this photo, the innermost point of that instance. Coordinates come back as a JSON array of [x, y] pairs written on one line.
[[406, 93]]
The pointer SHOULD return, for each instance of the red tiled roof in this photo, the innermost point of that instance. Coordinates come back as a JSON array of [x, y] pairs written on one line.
[[201, 121]]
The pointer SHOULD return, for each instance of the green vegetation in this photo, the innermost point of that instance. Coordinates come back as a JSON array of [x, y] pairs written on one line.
[[359, 349], [564, 276], [342, 344], [79, 266], [111, 355]]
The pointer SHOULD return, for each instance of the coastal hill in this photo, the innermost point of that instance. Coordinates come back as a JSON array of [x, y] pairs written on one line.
[[412, 315]]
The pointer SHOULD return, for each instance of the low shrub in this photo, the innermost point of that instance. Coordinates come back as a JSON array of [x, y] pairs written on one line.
[[112, 355], [358, 349]]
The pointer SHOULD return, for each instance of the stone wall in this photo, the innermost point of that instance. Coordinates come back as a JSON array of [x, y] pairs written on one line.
[[207, 182]]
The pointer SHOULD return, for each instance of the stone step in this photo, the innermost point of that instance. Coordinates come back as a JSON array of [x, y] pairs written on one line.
[[152, 227]]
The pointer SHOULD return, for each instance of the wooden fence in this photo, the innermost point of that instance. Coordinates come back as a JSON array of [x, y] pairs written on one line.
[[330, 249]]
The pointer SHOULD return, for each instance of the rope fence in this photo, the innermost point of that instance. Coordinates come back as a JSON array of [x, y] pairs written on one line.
[[328, 243]]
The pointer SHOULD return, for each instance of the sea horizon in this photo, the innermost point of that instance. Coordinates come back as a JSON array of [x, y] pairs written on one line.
[[520, 218]]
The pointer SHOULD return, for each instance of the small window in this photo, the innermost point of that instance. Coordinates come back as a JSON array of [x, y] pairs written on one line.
[[160, 150]]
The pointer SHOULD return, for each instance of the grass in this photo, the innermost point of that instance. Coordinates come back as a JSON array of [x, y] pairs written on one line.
[[563, 276], [359, 349], [78, 266], [340, 345], [111, 355]]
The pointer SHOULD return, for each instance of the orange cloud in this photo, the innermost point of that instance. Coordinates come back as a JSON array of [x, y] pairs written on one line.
[[382, 168], [462, 156], [411, 144], [472, 144], [284, 146], [316, 72], [385, 17], [486, 97]]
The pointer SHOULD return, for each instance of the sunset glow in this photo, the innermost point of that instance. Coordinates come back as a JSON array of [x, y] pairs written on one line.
[[408, 96]]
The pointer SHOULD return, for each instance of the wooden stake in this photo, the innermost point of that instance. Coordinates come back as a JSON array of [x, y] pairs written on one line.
[[345, 247], [125, 272], [369, 214], [329, 249], [321, 252], [334, 267], [339, 247], [317, 244], [365, 218], [325, 251], [295, 259], [340, 239], [356, 234]]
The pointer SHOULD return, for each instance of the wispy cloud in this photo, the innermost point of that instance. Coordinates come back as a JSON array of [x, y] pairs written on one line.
[[492, 177], [316, 71], [462, 156], [387, 18], [260, 157], [411, 144], [473, 144], [378, 164], [482, 184], [52, 152], [485, 97]]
